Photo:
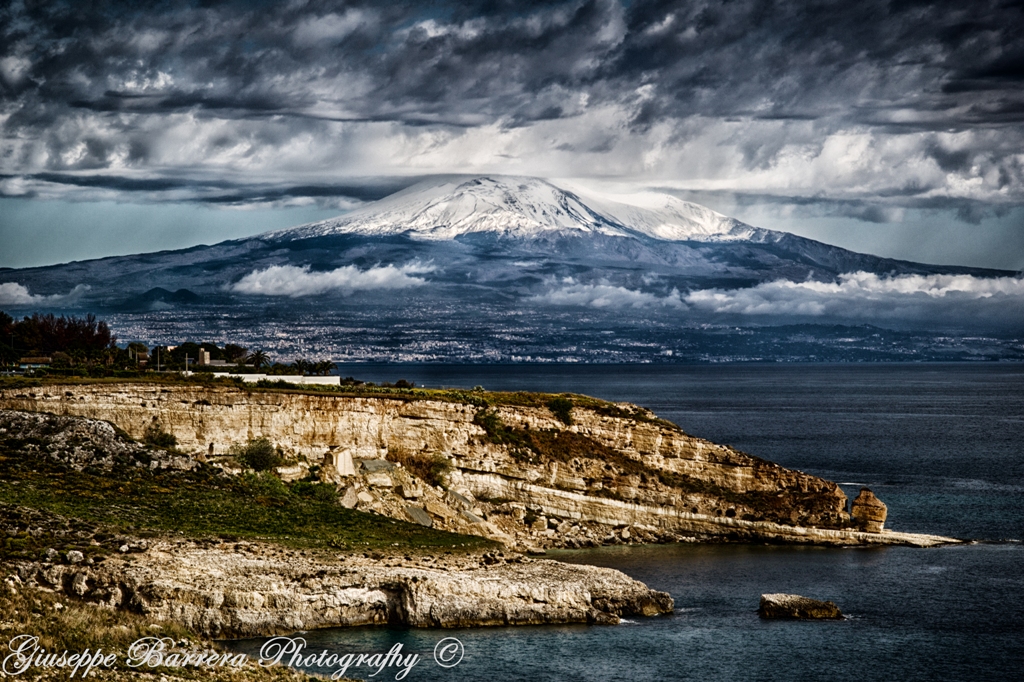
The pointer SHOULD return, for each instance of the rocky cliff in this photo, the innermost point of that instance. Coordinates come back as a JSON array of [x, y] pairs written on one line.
[[524, 469], [99, 544]]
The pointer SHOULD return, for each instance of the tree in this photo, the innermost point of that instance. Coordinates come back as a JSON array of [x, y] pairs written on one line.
[[136, 350], [7, 353], [47, 334], [8, 356], [258, 359], [235, 353]]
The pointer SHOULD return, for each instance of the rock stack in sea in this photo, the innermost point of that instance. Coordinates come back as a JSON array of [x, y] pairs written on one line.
[[869, 512]]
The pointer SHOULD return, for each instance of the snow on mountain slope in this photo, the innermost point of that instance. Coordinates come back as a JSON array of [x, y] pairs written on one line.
[[525, 207], [663, 216]]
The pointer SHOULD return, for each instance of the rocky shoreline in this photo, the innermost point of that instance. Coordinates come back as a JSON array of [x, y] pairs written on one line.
[[248, 589], [526, 476], [228, 588]]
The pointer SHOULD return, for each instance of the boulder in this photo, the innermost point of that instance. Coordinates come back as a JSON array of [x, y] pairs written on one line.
[[379, 479], [439, 509], [868, 511], [418, 515], [374, 465], [795, 606], [410, 491], [341, 460], [350, 498], [457, 500]]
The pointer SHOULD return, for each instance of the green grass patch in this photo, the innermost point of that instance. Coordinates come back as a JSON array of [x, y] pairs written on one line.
[[202, 503]]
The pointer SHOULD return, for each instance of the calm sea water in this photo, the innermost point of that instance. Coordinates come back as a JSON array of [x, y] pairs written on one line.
[[942, 445]]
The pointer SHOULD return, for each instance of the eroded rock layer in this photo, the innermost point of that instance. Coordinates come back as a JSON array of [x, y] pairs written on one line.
[[528, 473], [251, 589], [869, 512]]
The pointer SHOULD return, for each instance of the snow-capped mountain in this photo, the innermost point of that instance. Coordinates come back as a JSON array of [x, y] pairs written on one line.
[[506, 233], [525, 208], [502, 267]]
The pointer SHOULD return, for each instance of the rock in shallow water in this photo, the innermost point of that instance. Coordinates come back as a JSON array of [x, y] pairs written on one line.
[[795, 606]]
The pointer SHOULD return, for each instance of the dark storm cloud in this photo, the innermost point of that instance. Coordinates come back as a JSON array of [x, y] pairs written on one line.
[[898, 99], [789, 59], [875, 210], [287, 58], [221, 191]]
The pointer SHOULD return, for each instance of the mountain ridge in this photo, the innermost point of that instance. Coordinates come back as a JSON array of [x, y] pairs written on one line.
[[674, 224]]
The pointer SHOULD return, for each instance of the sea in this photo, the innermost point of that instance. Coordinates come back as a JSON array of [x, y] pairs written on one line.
[[941, 444]]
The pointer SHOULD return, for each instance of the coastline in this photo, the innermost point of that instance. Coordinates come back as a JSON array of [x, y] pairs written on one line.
[[253, 586], [691, 527], [247, 589], [715, 585]]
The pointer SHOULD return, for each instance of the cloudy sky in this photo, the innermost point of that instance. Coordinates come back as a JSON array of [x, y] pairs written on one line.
[[893, 127]]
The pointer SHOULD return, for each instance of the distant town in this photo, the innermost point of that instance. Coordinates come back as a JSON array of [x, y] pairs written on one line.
[[43, 345]]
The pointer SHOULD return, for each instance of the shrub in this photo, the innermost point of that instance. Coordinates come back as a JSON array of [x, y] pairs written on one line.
[[157, 437], [313, 475], [438, 468], [259, 454], [320, 492], [497, 431], [561, 407], [432, 468], [264, 486]]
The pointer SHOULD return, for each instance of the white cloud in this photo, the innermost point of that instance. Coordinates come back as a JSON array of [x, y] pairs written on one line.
[[605, 296], [590, 143], [866, 295], [12, 293], [329, 28], [288, 280], [13, 69]]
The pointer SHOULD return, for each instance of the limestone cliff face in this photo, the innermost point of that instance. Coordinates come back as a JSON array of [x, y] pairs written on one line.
[[615, 474]]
